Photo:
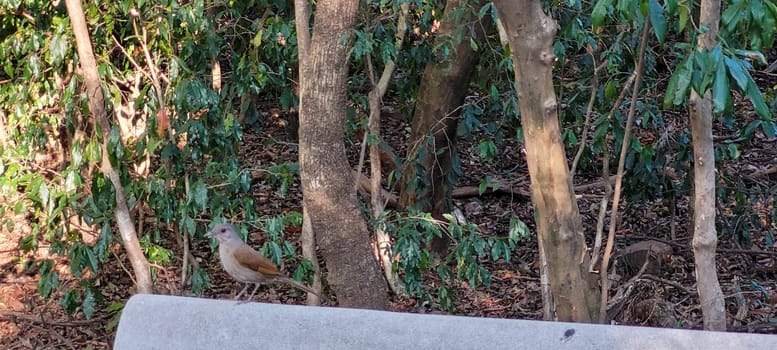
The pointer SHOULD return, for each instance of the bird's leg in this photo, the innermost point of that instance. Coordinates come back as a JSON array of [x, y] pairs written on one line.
[[252, 294], [242, 291], [254, 291]]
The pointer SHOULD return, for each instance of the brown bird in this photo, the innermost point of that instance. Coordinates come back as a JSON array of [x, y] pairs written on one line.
[[246, 265]]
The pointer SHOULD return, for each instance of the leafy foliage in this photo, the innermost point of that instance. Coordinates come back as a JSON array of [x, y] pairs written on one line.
[[414, 232], [180, 162]]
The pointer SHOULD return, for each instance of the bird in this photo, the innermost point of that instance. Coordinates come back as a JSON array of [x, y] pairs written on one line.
[[246, 265]]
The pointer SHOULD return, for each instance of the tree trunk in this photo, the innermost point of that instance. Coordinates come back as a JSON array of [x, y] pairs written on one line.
[[327, 183], [427, 178], [124, 219], [531, 33], [308, 236], [705, 238]]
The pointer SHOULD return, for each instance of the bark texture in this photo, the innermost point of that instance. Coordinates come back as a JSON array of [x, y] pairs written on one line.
[[705, 237], [428, 178], [327, 182], [96, 101], [531, 33], [307, 237]]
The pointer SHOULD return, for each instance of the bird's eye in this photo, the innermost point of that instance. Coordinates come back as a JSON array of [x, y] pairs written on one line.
[[223, 230]]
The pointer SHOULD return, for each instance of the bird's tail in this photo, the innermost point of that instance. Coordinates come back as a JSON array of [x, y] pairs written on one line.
[[292, 282]]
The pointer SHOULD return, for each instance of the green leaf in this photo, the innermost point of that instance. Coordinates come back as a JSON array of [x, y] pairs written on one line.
[[657, 20], [77, 258], [257, 40], [500, 250], [599, 12], [114, 306], [733, 151], [706, 64], [721, 94], [58, 48], [626, 9], [101, 247], [43, 193], [611, 89], [91, 259], [484, 10], [670, 94], [752, 55], [189, 224], [69, 300], [93, 151], [737, 72], [749, 130], [288, 249], [671, 7], [293, 218], [276, 253], [113, 322], [769, 128], [48, 282], [200, 281], [518, 230], [755, 96], [683, 15], [487, 149], [88, 305], [679, 83], [275, 226], [730, 17], [200, 195]]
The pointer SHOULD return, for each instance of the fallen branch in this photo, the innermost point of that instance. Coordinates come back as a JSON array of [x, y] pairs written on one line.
[[391, 199], [12, 316], [763, 172], [366, 187], [671, 283], [474, 191]]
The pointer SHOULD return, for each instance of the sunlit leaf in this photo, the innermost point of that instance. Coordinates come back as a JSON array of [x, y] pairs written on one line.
[[518, 230], [58, 48]]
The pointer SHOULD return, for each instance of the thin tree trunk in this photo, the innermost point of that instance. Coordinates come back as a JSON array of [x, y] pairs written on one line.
[[531, 34], [96, 100], [377, 202], [307, 237], [705, 238], [327, 183], [603, 276]]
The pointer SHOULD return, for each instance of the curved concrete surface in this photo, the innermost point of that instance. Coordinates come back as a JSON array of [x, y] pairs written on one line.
[[167, 322]]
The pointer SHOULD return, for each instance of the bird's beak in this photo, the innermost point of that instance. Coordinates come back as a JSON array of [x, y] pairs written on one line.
[[209, 234]]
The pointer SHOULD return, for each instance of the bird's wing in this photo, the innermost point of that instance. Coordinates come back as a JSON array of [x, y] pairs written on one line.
[[255, 261]]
